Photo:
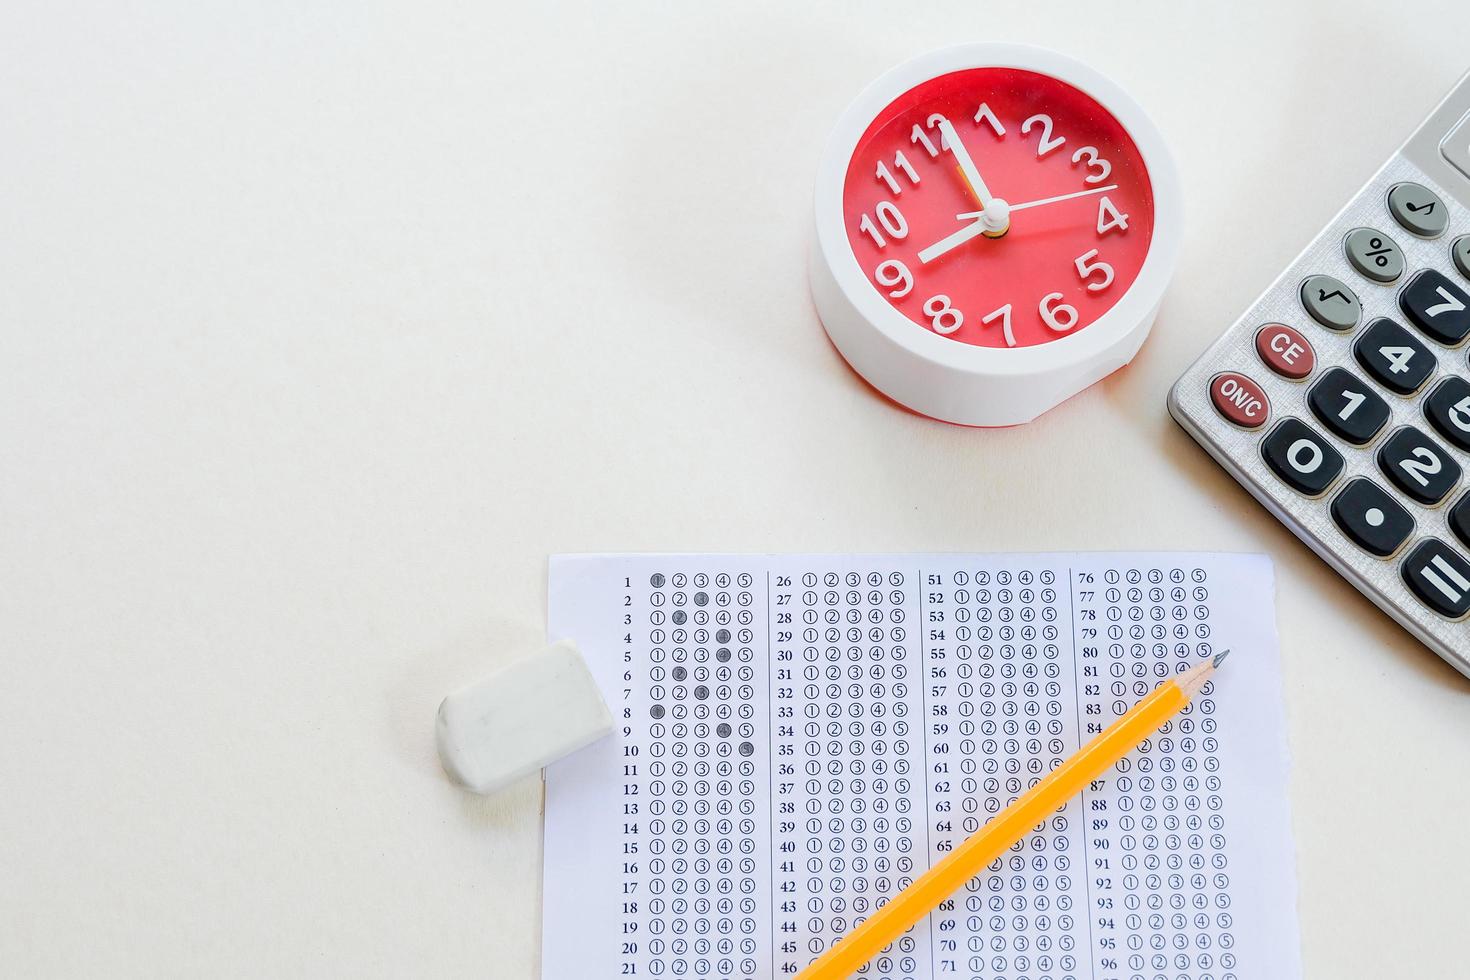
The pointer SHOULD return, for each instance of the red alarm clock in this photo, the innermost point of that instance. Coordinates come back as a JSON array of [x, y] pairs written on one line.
[[995, 226]]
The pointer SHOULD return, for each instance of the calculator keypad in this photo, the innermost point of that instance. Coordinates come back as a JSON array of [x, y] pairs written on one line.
[[1418, 466], [1418, 209], [1303, 459], [1437, 306], [1460, 252], [1458, 519], [1440, 577], [1240, 400], [1375, 522], [1448, 409], [1331, 303], [1374, 254], [1350, 409], [1285, 351], [1393, 357], [1365, 450]]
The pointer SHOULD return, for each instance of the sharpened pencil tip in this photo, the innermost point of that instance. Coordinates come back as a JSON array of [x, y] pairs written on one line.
[[1219, 658]]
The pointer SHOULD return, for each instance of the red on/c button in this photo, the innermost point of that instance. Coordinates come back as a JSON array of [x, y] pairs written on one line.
[[1240, 400], [1285, 351]]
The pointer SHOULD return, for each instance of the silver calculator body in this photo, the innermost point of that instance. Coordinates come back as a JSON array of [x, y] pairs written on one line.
[[1266, 402]]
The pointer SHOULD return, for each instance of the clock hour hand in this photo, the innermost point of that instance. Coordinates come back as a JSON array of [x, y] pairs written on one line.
[[974, 229]]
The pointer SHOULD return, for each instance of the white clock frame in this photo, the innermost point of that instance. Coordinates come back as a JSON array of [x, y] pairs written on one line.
[[959, 382]]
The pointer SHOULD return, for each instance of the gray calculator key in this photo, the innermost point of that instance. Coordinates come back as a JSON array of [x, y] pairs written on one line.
[[1418, 209], [1331, 303], [1460, 249], [1374, 254]]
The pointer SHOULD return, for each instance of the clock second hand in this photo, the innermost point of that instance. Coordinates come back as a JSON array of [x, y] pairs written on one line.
[[970, 215], [976, 227]]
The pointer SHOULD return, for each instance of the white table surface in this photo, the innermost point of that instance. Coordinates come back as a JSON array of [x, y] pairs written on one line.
[[324, 324]]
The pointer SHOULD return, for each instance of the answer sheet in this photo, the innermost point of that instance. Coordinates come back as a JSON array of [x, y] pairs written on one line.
[[799, 736]]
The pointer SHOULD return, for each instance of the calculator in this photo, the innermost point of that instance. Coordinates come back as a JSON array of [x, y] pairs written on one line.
[[1341, 398]]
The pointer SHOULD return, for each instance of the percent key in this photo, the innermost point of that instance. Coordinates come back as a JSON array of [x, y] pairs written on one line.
[[1374, 255]]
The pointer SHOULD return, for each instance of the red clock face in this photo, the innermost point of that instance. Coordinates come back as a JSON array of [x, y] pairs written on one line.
[[998, 207]]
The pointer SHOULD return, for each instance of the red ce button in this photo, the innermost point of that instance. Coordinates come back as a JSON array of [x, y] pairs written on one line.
[[1285, 351]]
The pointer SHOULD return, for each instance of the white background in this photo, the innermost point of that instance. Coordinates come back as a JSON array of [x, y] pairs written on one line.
[[324, 324]]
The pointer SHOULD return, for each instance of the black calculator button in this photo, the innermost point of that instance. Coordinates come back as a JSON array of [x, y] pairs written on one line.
[[1393, 357], [1418, 466], [1447, 407], [1348, 406], [1437, 306], [1440, 577], [1418, 209], [1458, 518], [1371, 518], [1301, 457], [1331, 303]]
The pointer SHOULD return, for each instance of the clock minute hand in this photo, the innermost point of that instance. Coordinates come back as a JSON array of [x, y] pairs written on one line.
[[967, 165], [996, 215], [973, 215]]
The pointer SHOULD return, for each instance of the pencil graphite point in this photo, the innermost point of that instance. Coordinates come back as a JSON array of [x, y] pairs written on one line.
[[1220, 658]]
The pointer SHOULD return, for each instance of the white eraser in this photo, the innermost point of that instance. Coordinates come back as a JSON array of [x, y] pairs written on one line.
[[521, 718]]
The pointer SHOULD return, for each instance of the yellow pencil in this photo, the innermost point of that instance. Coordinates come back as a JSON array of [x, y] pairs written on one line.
[[1009, 826]]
